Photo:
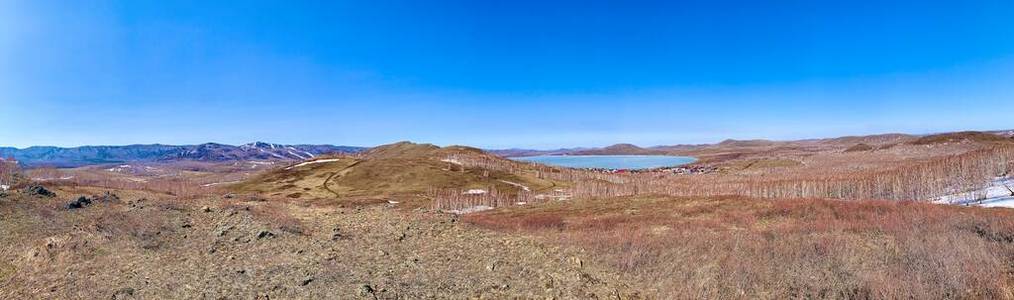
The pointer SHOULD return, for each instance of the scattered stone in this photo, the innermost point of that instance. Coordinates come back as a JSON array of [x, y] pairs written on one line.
[[402, 236], [81, 202], [265, 234], [124, 293], [108, 197], [366, 291], [491, 266], [306, 281], [228, 196], [206, 209], [39, 191], [576, 261], [222, 231], [337, 235]]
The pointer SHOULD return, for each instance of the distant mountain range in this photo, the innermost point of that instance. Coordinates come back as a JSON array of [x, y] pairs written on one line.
[[90, 155], [212, 152]]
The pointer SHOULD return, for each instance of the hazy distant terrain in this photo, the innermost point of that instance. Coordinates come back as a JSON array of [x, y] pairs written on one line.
[[90, 155]]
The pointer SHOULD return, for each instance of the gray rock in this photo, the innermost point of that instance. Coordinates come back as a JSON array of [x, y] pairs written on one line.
[[366, 291], [124, 293], [39, 191], [81, 202]]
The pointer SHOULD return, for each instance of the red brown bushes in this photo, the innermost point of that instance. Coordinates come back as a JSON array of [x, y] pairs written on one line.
[[753, 248]]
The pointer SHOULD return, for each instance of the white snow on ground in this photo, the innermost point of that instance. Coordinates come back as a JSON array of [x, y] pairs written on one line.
[[48, 179], [272, 153], [996, 194], [4, 187], [453, 161], [257, 162], [474, 192], [119, 168], [296, 155], [312, 162], [308, 154], [469, 210], [217, 183], [517, 185]]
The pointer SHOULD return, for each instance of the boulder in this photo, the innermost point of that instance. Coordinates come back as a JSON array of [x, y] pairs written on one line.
[[81, 202], [39, 191]]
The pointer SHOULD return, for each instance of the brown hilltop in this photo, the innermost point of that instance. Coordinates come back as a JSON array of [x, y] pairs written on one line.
[[956, 137], [402, 172]]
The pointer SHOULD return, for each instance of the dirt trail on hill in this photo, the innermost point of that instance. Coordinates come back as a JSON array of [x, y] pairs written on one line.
[[212, 248], [329, 177]]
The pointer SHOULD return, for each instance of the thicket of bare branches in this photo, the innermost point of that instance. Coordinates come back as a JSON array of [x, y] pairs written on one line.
[[919, 180], [176, 185], [916, 181], [457, 199], [10, 172]]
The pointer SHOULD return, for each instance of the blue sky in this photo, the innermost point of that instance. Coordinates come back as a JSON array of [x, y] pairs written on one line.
[[499, 75]]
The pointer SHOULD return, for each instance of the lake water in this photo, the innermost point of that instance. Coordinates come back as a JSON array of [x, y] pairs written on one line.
[[609, 161]]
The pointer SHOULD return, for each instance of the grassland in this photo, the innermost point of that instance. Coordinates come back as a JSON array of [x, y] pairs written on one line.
[[777, 220], [736, 247]]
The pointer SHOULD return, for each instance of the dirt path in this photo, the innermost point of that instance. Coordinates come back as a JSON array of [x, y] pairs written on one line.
[[329, 177]]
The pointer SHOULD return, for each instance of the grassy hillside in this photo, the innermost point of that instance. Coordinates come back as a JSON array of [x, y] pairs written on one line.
[[403, 172]]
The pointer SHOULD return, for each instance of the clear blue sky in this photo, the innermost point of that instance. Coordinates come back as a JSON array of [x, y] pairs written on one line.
[[511, 74]]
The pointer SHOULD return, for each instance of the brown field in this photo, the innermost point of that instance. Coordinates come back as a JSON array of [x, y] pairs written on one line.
[[736, 247], [838, 218]]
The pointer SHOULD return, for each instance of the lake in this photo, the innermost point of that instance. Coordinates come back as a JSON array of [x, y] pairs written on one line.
[[628, 162]]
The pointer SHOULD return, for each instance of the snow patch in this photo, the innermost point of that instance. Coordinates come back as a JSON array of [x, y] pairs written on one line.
[[451, 160], [217, 183], [474, 192], [312, 162], [523, 187], [997, 194], [469, 210]]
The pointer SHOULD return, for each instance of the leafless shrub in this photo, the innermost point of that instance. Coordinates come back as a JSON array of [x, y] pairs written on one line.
[[10, 173], [458, 199], [915, 181]]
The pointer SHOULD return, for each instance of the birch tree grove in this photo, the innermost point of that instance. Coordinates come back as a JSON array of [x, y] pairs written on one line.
[[10, 173], [917, 180]]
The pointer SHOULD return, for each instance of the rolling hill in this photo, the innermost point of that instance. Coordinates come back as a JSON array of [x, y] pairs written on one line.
[[401, 172]]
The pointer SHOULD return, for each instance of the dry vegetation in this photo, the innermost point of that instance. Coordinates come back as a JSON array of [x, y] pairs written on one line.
[[763, 226], [404, 172], [152, 246], [10, 173], [734, 247]]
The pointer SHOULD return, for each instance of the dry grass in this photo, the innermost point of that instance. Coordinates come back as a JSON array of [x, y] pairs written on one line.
[[734, 247]]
